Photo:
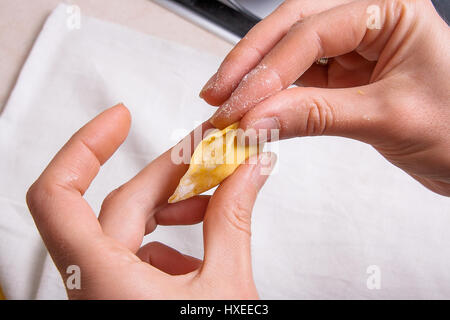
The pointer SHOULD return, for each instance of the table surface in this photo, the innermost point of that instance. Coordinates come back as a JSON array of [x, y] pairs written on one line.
[[22, 20]]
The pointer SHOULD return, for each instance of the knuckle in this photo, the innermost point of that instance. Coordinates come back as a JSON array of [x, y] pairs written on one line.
[[275, 78], [320, 116], [301, 29], [32, 197], [234, 54], [397, 8], [297, 25], [302, 22], [252, 49], [38, 194], [112, 198], [392, 4], [238, 216], [238, 52]]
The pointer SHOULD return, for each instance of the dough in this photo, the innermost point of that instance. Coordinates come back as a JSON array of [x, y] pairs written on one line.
[[214, 159]]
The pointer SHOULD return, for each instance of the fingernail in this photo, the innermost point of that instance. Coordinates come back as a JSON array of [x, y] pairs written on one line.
[[264, 128], [266, 163], [265, 123], [209, 85], [247, 137], [222, 114], [212, 120]]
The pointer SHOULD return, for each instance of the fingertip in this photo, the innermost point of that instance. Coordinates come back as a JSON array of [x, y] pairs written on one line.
[[124, 113], [215, 96], [121, 119], [106, 132], [214, 92], [114, 121], [211, 98]]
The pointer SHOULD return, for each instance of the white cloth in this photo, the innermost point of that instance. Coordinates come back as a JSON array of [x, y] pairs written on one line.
[[333, 208]]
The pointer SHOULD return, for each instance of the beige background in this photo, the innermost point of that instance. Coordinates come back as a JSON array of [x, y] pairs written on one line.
[[22, 20]]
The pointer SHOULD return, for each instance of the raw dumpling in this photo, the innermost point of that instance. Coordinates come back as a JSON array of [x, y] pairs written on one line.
[[214, 159]]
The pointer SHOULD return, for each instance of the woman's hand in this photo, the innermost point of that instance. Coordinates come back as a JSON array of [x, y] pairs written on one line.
[[387, 84], [108, 249]]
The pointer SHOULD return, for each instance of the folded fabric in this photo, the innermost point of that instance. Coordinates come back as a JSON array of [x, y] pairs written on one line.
[[333, 207]]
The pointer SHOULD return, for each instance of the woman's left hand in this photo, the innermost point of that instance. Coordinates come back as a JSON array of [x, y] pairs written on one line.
[[108, 250]]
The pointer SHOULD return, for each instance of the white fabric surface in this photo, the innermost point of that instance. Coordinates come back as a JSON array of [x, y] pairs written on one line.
[[332, 208]]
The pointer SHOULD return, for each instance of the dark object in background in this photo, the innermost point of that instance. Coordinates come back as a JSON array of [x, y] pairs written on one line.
[[443, 7], [239, 23]]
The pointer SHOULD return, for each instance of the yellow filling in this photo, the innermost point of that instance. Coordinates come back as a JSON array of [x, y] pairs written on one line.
[[214, 159]]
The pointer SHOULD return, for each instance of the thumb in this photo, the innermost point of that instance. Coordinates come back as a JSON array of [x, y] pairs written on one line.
[[228, 219], [352, 112]]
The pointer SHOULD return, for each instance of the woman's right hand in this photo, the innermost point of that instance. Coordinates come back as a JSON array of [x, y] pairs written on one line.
[[387, 85]]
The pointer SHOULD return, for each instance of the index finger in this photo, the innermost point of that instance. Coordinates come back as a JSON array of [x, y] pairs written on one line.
[[330, 33], [64, 219]]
